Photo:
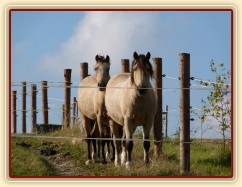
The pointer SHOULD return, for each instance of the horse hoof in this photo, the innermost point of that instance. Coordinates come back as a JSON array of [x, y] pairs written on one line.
[[123, 162], [123, 158], [107, 156], [116, 163], [104, 162], [146, 162], [95, 158], [128, 165], [88, 162]]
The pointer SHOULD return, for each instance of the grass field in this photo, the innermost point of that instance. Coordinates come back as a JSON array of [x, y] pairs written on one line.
[[59, 157]]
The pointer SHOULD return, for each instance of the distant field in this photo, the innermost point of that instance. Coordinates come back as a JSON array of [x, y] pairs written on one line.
[[58, 157]]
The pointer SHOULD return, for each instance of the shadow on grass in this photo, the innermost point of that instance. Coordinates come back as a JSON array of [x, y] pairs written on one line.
[[51, 169]]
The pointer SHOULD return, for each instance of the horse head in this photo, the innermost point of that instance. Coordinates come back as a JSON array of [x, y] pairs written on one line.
[[141, 72], [102, 70]]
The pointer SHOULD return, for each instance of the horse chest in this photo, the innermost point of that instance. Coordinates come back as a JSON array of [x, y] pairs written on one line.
[[99, 103], [135, 111]]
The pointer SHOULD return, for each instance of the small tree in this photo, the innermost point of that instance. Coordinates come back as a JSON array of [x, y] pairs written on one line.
[[204, 126], [218, 101]]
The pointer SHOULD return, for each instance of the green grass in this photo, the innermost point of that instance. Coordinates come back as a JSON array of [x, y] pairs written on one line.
[[25, 163], [206, 159]]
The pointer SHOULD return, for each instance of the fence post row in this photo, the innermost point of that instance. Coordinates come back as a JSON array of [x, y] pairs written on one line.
[[158, 117], [125, 65], [14, 112], [24, 93], [33, 107], [184, 113], [45, 102], [67, 75]]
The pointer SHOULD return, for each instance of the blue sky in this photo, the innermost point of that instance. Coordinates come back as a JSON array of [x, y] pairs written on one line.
[[44, 43]]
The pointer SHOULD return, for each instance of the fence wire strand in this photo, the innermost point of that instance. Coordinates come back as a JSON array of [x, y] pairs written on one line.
[[119, 139], [130, 88]]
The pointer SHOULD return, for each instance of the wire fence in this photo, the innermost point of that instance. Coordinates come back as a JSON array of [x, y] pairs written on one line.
[[99, 87], [228, 141], [61, 84]]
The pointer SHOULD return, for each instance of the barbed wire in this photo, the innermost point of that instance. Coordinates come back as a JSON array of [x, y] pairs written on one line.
[[198, 80], [165, 76]]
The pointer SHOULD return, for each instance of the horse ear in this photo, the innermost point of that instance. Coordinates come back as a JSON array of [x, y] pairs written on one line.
[[107, 58], [97, 58], [148, 56], [135, 55]]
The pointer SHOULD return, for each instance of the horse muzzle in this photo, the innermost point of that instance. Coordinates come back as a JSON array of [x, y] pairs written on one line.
[[101, 84], [141, 90]]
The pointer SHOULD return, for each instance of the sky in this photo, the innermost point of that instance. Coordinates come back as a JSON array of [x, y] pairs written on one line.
[[44, 43]]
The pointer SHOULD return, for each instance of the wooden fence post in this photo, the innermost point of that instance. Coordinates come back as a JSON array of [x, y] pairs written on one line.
[[24, 93], [84, 70], [125, 65], [63, 114], [166, 119], [45, 102], [33, 108], [67, 76], [84, 74], [74, 113], [14, 112], [158, 117], [184, 113]]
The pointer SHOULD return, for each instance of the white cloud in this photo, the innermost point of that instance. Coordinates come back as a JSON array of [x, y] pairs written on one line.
[[117, 34], [18, 49]]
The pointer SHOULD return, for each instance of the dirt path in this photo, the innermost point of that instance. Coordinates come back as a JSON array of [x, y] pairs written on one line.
[[63, 165], [59, 161]]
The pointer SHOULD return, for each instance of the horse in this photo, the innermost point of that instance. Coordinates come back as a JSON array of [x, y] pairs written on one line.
[[92, 107], [130, 101]]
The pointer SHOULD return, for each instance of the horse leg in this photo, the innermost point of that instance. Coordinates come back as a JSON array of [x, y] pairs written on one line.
[[102, 141], [87, 128], [108, 148], [117, 143], [124, 150], [113, 149], [98, 148], [129, 130], [146, 144], [103, 151], [95, 134], [98, 142]]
